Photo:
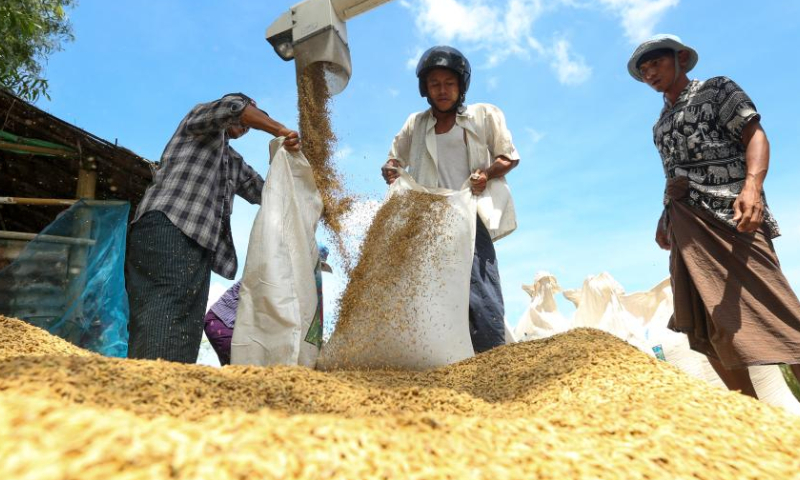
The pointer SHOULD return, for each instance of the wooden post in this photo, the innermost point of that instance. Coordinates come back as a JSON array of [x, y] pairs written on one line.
[[87, 181], [87, 184]]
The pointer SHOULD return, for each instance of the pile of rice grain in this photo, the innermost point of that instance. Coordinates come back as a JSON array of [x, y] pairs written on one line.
[[20, 338], [578, 405]]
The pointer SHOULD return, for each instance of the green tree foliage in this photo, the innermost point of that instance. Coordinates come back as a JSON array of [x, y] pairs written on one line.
[[30, 30]]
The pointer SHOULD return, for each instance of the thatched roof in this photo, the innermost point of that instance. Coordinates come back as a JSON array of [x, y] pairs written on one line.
[[121, 174]]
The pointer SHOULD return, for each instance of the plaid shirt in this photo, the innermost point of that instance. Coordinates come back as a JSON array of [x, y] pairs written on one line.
[[197, 178]]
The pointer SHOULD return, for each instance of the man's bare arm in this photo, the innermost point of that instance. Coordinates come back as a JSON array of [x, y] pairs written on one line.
[[748, 208], [254, 117]]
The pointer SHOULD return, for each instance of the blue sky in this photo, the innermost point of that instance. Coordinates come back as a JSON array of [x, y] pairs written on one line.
[[588, 189]]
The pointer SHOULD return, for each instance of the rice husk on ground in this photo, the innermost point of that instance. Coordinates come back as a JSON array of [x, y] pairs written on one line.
[[578, 405]]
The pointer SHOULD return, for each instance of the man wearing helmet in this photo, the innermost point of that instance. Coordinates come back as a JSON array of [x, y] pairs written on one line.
[[730, 296], [448, 144]]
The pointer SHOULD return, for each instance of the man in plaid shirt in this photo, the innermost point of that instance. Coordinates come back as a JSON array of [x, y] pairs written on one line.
[[181, 231]]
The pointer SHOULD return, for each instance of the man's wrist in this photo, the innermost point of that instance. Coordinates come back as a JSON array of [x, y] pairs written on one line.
[[752, 181]]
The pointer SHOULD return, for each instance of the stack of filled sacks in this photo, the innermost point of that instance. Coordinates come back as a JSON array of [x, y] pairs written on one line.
[[582, 404], [641, 320]]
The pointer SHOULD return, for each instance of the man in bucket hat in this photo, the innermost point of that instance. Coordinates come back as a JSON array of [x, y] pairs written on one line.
[[730, 296]]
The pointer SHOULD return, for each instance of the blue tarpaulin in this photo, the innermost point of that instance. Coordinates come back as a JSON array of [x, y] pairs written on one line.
[[70, 281]]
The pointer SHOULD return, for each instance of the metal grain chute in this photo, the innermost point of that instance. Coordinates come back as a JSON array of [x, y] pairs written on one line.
[[314, 31]]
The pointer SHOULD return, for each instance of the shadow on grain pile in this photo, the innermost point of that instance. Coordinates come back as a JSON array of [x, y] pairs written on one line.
[[579, 405]]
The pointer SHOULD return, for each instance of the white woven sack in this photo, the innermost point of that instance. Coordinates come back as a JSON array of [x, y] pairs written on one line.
[[542, 318], [278, 295], [599, 306], [428, 329]]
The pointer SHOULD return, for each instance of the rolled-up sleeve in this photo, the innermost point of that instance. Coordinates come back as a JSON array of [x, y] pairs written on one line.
[[215, 116], [401, 145], [498, 136]]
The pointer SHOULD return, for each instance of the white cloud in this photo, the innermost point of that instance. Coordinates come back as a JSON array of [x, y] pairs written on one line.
[[504, 28], [453, 20], [520, 16], [492, 83], [393, 92], [535, 45], [639, 17], [570, 69], [534, 135], [500, 28]]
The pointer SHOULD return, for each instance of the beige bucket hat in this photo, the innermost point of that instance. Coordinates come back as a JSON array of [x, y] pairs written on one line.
[[658, 42]]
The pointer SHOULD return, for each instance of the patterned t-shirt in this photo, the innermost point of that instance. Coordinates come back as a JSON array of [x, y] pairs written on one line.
[[700, 137]]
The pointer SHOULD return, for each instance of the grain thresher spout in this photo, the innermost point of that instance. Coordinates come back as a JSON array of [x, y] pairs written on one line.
[[327, 47], [314, 31]]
